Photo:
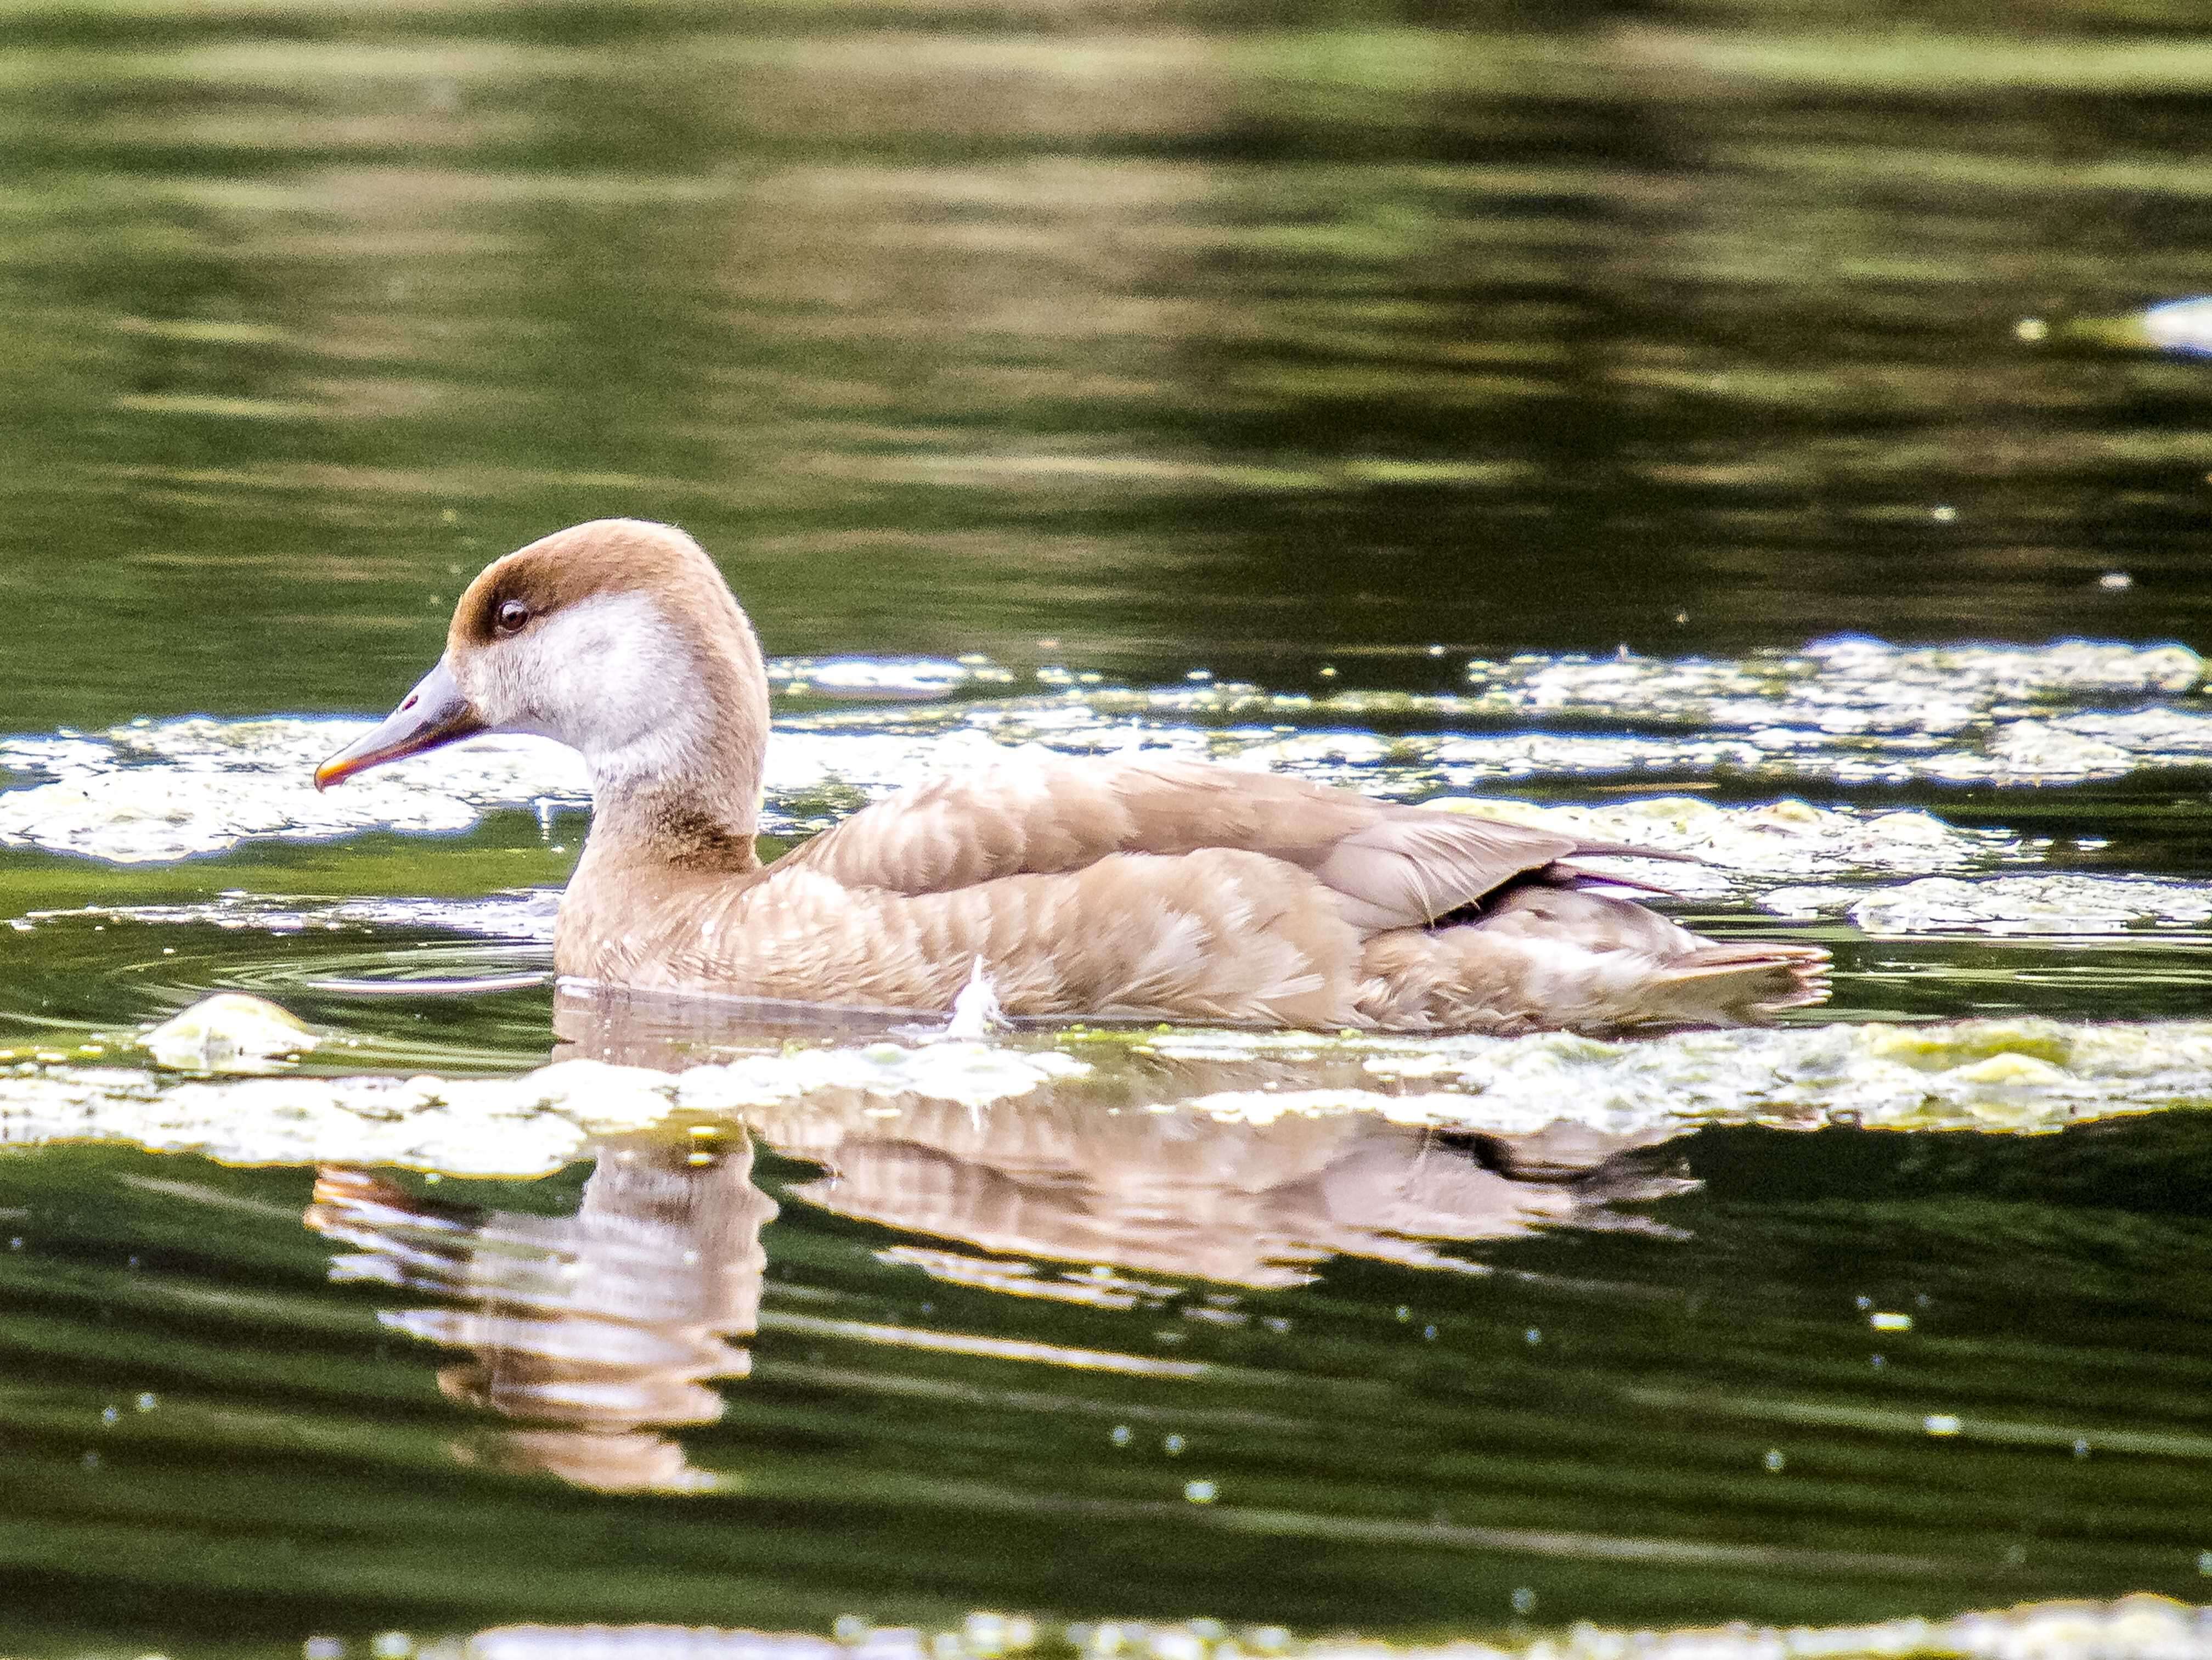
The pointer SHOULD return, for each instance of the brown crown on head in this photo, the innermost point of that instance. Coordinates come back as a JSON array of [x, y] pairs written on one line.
[[606, 555]]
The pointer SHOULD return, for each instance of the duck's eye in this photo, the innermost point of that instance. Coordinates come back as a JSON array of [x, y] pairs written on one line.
[[510, 617]]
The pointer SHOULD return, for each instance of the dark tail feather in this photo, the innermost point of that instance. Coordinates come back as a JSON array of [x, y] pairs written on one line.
[[1567, 874], [1572, 876]]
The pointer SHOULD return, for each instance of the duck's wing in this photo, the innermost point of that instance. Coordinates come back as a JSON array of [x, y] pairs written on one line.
[[1390, 866]]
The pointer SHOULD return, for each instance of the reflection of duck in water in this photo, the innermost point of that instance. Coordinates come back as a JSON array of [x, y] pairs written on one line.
[[595, 1328], [592, 1332], [1149, 888], [1237, 1203], [1113, 1168]]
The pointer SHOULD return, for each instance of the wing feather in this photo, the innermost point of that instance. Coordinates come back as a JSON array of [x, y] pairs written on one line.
[[1390, 866], [1414, 865]]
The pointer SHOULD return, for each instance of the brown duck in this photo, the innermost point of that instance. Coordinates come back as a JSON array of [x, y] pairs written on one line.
[[1150, 888]]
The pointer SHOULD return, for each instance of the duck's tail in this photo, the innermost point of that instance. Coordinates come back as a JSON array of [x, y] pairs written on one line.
[[1552, 958], [1734, 985]]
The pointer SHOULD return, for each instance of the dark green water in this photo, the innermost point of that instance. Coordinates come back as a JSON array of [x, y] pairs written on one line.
[[1246, 380]]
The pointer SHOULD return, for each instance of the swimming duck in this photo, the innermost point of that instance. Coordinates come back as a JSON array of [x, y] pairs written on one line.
[[1140, 887]]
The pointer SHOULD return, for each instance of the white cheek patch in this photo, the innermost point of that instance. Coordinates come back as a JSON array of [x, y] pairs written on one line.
[[607, 676]]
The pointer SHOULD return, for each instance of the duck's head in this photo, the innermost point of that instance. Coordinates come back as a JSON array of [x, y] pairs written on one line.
[[618, 638]]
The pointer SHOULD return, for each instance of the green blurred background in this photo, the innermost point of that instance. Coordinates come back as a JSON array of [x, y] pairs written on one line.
[[1231, 335]]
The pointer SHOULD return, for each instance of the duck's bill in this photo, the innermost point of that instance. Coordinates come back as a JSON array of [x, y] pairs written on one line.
[[436, 712]]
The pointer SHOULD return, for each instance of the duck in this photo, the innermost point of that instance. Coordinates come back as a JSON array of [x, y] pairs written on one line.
[[1124, 888]]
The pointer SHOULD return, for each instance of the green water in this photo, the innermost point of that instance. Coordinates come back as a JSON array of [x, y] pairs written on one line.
[[1242, 380]]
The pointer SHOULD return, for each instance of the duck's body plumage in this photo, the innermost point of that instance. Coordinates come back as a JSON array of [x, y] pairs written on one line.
[[1138, 888]]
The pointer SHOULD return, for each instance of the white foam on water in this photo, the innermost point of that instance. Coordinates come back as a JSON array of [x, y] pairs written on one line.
[[1742, 851], [231, 1032], [2070, 749], [1845, 685], [881, 676], [157, 792], [2012, 716], [525, 915], [1860, 711], [200, 787], [160, 792], [525, 1126], [1850, 710], [2138, 1627], [1846, 712], [2024, 1075], [2064, 904], [1959, 879], [2027, 1074], [1744, 848]]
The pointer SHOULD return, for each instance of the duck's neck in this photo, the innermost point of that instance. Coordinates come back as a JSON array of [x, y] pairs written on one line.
[[673, 826], [683, 795]]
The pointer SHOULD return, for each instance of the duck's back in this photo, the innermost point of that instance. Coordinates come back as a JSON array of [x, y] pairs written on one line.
[[1036, 813]]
